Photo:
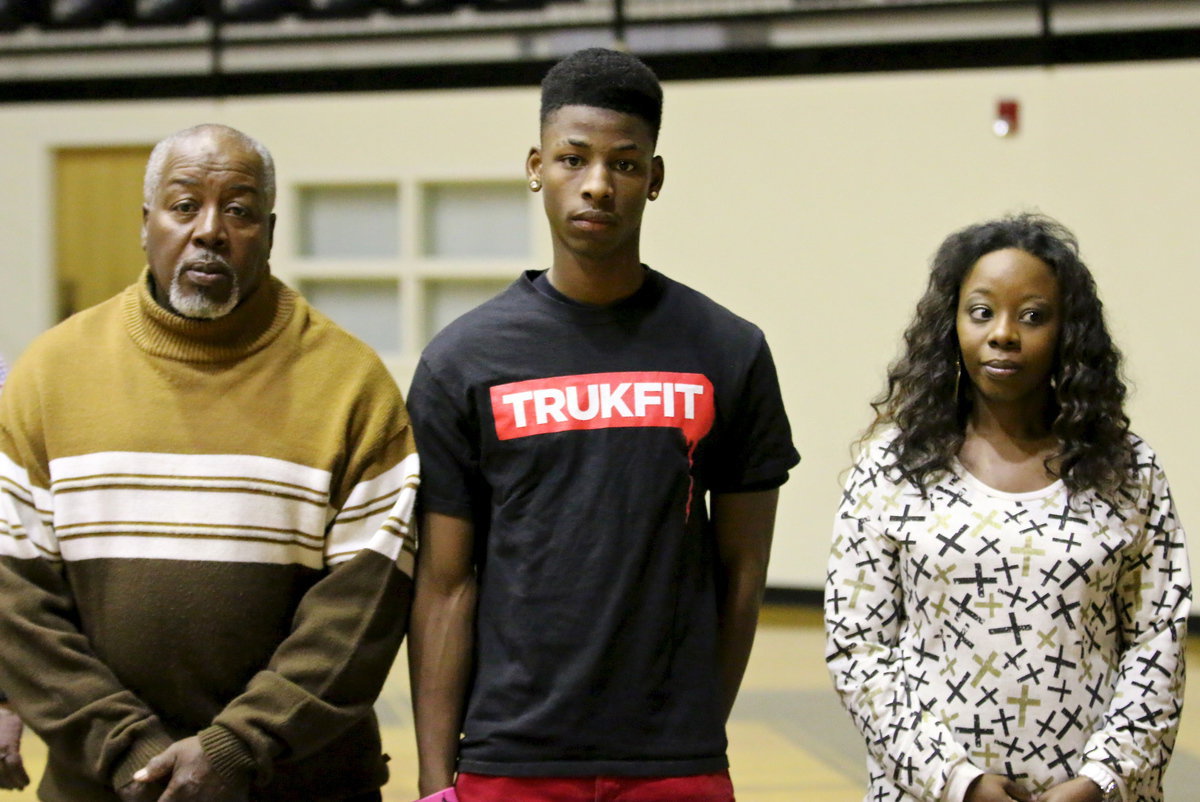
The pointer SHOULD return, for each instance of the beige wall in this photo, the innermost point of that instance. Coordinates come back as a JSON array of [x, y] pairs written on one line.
[[810, 205]]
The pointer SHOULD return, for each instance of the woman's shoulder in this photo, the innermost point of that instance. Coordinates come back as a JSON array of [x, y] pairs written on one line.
[[1146, 464], [877, 457], [1140, 447], [880, 448]]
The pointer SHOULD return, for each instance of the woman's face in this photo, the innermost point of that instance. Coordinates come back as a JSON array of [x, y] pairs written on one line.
[[1009, 314]]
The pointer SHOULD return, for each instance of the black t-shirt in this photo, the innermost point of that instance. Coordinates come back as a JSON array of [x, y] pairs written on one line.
[[581, 442]]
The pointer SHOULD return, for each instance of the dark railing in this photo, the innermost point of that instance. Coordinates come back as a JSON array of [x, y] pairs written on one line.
[[69, 49], [457, 15]]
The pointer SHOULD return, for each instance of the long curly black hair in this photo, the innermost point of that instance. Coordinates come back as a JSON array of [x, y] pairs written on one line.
[[928, 401]]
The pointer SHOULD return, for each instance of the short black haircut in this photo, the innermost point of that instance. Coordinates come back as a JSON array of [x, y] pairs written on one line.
[[605, 79]]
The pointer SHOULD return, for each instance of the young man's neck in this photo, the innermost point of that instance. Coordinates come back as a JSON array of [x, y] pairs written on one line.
[[597, 283]]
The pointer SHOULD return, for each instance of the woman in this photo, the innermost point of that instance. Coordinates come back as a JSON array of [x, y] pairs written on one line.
[[1008, 590]]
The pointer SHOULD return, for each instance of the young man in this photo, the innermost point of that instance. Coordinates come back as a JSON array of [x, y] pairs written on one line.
[[601, 451]]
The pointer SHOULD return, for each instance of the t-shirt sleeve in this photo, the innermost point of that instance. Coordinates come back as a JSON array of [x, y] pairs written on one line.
[[754, 451], [447, 441]]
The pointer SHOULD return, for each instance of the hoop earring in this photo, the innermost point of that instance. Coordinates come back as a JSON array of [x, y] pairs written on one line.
[[535, 185]]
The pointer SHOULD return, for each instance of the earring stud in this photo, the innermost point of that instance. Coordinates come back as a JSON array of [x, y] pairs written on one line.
[[654, 194], [535, 185]]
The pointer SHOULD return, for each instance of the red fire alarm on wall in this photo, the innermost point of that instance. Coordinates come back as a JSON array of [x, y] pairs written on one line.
[[1008, 116]]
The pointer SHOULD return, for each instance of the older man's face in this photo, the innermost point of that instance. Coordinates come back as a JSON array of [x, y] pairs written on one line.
[[207, 231]]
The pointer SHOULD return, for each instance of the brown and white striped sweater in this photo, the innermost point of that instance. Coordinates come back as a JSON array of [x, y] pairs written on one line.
[[204, 529]]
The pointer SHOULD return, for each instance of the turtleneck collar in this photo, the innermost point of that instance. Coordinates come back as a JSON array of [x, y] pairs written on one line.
[[248, 328]]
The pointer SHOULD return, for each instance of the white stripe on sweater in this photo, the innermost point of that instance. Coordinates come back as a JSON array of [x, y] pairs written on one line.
[[25, 530], [378, 516], [209, 507]]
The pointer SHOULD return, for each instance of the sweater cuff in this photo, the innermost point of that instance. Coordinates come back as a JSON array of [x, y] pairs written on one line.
[[1101, 775], [228, 753], [141, 753], [960, 779]]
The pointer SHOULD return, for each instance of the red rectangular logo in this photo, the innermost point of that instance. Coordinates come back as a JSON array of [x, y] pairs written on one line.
[[681, 401]]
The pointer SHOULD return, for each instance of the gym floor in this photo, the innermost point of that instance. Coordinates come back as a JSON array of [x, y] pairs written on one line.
[[789, 739]]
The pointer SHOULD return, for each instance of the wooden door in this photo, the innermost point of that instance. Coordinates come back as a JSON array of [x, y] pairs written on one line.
[[98, 220]]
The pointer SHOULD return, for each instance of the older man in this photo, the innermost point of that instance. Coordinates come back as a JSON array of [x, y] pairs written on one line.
[[205, 496]]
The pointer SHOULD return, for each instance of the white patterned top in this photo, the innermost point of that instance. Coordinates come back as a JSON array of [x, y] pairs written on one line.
[[973, 630]]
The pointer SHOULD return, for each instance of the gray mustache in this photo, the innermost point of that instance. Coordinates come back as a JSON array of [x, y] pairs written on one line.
[[209, 262]]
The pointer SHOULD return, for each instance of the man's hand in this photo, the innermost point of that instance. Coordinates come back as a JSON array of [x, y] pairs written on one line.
[[995, 788], [135, 791], [189, 776], [12, 768], [1077, 789]]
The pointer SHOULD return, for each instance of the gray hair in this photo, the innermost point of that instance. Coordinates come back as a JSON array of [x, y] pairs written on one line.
[[158, 158]]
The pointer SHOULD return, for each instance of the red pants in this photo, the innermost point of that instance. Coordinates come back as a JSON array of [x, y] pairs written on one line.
[[698, 788]]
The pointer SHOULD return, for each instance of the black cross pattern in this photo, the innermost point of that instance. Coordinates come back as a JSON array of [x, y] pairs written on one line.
[[1014, 627], [1000, 623], [978, 580]]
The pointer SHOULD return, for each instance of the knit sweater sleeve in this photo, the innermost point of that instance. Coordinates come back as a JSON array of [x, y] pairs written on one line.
[[870, 664], [1138, 732], [57, 683], [327, 673]]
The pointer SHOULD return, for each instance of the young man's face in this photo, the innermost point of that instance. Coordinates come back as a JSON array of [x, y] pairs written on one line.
[[597, 169]]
